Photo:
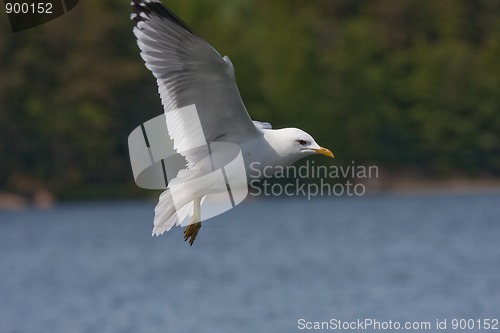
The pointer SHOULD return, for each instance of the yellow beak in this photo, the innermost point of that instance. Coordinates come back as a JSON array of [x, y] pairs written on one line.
[[324, 151]]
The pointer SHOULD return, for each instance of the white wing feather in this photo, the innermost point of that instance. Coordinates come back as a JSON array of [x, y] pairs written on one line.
[[189, 71]]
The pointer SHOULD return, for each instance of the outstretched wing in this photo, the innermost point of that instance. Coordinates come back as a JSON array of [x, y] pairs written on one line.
[[190, 71], [262, 125]]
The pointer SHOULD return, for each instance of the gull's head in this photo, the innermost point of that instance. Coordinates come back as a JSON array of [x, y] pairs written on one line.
[[297, 144]]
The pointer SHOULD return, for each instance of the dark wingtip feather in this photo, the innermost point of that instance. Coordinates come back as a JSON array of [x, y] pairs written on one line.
[[144, 9]]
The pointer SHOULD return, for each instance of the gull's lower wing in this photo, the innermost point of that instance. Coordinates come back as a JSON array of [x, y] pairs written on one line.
[[189, 71]]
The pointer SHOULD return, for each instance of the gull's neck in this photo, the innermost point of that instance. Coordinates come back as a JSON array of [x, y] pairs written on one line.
[[281, 144]]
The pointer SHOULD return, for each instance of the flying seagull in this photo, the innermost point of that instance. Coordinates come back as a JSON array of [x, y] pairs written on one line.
[[190, 71]]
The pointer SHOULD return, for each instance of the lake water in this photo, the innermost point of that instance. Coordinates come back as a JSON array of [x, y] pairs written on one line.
[[93, 267]]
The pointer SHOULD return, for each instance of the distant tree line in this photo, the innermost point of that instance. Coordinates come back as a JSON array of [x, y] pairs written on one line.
[[406, 84]]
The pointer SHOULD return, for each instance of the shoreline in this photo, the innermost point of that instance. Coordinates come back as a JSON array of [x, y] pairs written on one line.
[[426, 185], [405, 185]]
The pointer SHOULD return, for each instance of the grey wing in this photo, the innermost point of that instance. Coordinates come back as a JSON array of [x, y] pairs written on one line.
[[190, 71], [262, 124]]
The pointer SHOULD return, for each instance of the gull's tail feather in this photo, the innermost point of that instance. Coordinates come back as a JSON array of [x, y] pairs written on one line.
[[166, 215], [169, 214]]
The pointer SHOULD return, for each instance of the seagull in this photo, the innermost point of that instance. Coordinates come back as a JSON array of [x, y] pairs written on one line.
[[188, 71]]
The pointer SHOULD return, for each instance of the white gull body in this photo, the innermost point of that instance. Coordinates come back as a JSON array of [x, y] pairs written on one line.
[[190, 71]]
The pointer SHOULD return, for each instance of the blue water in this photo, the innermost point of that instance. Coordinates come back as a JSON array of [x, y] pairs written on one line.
[[93, 267]]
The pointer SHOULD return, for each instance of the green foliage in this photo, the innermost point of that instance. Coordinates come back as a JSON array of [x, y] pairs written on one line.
[[402, 83]]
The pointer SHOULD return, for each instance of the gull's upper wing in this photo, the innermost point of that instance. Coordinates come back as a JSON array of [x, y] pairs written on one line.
[[190, 71], [262, 125]]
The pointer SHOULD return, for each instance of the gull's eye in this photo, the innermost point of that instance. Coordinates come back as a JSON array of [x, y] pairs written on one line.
[[302, 142]]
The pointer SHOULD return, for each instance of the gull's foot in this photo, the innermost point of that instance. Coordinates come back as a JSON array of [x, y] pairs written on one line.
[[191, 232]]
